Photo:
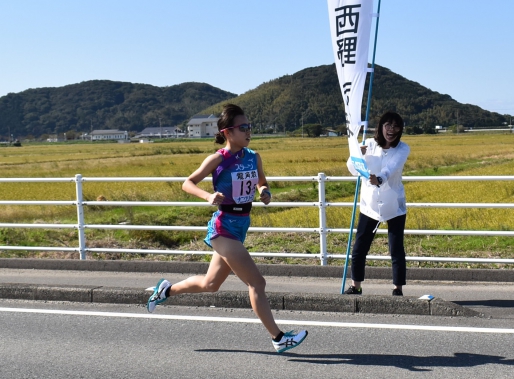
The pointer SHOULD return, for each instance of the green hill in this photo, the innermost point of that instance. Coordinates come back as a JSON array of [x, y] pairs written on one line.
[[311, 95], [103, 104], [314, 93]]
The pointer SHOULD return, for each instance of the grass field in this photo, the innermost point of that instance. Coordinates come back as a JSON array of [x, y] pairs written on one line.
[[431, 155]]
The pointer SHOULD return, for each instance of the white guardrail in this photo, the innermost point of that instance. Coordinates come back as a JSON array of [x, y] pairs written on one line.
[[321, 204]]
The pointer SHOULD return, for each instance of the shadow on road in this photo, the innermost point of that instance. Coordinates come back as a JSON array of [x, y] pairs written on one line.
[[407, 362]]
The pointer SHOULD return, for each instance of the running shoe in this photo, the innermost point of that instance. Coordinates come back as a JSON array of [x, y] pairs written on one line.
[[159, 295], [397, 292], [353, 291], [290, 340]]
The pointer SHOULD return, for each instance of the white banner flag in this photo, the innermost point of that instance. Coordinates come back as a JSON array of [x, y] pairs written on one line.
[[350, 28]]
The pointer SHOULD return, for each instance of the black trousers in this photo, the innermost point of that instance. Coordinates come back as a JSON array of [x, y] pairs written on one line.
[[366, 230]]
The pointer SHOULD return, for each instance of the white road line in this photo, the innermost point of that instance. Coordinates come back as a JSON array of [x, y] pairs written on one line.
[[257, 321]]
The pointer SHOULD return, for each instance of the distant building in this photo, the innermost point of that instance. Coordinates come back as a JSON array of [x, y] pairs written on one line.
[[158, 132], [332, 133], [201, 126], [110, 134]]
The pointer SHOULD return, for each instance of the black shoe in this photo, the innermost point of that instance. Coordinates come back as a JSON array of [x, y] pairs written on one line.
[[353, 291], [397, 292]]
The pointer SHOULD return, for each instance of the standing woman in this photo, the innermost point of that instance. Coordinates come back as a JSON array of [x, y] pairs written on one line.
[[382, 199], [237, 174]]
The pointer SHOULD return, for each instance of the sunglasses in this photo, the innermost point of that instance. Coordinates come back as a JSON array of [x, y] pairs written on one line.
[[243, 127]]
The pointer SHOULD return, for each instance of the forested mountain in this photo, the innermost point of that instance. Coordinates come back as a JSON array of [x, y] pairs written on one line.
[[103, 104], [311, 95], [314, 94]]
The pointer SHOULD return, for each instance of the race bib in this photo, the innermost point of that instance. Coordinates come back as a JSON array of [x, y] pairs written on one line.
[[244, 185]]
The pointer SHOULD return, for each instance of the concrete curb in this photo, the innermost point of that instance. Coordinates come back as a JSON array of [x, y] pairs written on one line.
[[436, 274], [239, 299], [236, 299]]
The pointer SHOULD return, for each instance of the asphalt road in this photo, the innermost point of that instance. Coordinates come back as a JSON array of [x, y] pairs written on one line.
[[58, 339], [79, 340]]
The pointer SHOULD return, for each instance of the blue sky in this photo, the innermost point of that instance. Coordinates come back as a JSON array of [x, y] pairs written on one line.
[[457, 47]]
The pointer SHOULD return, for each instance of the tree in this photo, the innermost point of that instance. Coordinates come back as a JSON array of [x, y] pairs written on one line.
[[313, 130]]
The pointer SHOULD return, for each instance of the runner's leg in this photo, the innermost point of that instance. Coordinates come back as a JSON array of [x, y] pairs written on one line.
[[239, 260], [217, 273]]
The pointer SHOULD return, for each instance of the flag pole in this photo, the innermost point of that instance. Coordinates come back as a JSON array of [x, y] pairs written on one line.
[[357, 185]]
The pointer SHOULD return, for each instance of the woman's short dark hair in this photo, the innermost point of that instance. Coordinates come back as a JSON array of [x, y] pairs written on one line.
[[226, 120], [392, 118]]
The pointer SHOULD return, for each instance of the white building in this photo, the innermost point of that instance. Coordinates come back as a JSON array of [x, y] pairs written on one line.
[[109, 135], [332, 133], [160, 132], [201, 126]]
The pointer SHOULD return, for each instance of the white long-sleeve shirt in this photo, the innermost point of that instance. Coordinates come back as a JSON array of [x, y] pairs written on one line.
[[387, 201]]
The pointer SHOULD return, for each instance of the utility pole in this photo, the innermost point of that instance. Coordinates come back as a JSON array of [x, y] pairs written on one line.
[[303, 113], [160, 126]]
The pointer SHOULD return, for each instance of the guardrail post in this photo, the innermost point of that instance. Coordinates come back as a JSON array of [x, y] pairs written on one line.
[[80, 217], [322, 219]]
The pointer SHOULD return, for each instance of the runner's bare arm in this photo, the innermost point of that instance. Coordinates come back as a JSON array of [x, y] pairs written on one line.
[[190, 185], [263, 186]]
